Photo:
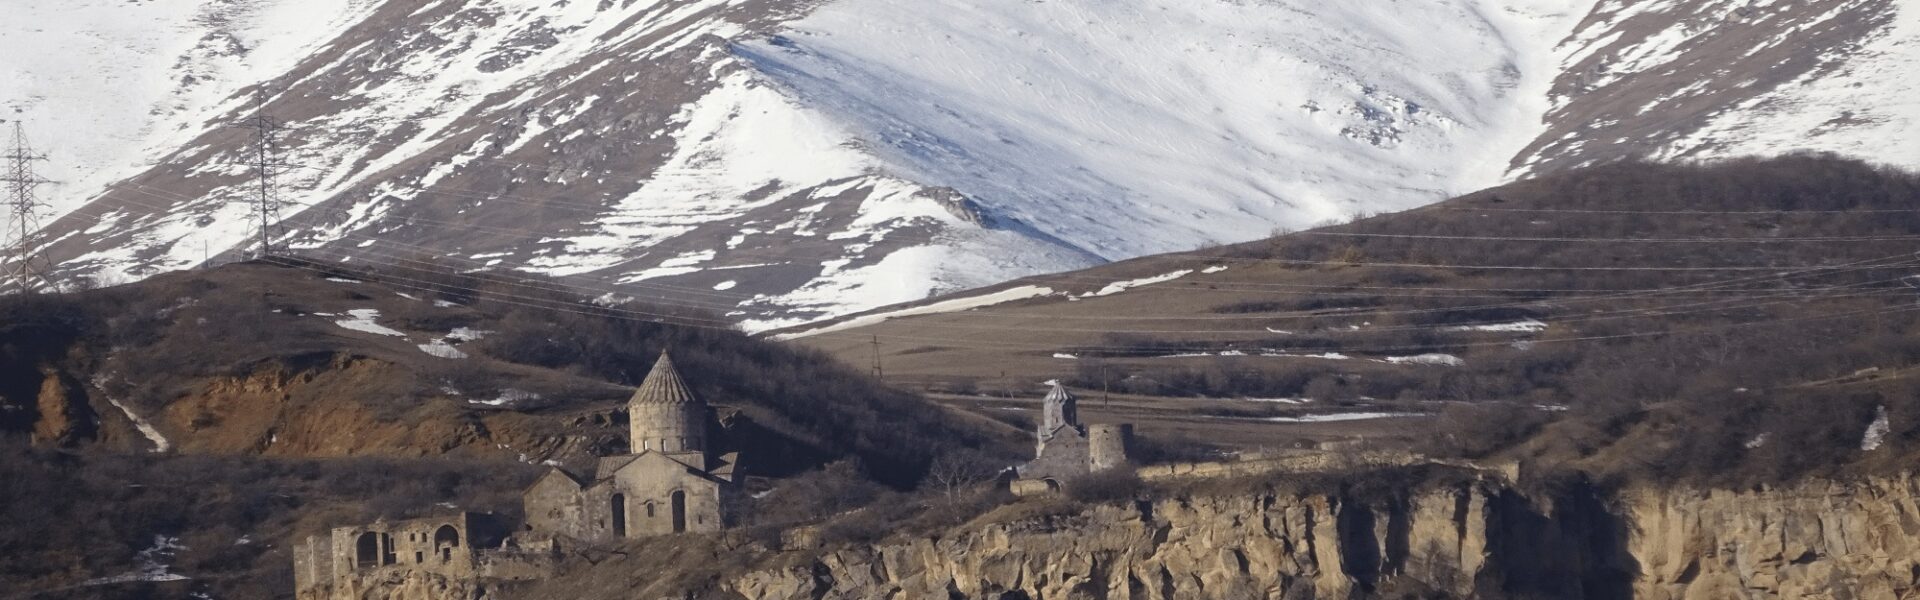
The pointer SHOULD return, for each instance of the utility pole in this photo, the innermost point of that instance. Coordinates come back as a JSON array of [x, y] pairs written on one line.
[[25, 263], [266, 138], [1106, 387]]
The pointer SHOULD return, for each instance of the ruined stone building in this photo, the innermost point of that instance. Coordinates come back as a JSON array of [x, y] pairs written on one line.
[[670, 482], [449, 553], [1065, 449]]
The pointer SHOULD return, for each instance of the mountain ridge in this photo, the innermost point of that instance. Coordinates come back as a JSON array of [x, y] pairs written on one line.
[[780, 163]]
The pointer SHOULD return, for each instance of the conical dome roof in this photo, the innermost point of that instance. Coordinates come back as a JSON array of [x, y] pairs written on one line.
[[1059, 393], [664, 386]]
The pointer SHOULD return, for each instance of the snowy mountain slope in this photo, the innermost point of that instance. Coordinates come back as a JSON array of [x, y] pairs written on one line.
[[123, 83], [780, 161], [1862, 106], [617, 144], [1718, 78], [1140, 127]]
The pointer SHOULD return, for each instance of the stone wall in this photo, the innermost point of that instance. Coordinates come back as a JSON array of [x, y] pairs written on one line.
[[1301, 462], [667, 427], [649, 498], [555, 505], [312, 564], [1107, 446], [1062, 458], [347, 561]]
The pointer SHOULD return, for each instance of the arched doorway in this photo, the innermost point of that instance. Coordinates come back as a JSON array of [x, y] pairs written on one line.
[[679, 501], [620, 515], [366, 550], [445, 539]]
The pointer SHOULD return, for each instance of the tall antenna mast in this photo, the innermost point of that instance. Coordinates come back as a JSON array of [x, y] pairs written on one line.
[[266, 139], [24, 262]]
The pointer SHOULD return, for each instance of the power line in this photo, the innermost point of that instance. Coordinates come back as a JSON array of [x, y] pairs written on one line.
[[265, 155], [610, 312], [1676, 212], [1601, 240], [27, 264], [1704, 286], [1648, 311]]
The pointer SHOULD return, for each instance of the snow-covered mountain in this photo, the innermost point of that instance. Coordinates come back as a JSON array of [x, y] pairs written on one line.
[[786, 160]]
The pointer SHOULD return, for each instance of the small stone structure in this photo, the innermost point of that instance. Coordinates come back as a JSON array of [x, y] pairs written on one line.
[[670, 483], [1065, 449], [449, 552]]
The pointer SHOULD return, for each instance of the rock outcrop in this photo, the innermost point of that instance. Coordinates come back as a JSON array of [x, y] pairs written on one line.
[[1255, 546], [1811, 540], [65, 417]]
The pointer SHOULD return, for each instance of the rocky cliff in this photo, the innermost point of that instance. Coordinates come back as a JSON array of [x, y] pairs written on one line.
[[1811, 540]]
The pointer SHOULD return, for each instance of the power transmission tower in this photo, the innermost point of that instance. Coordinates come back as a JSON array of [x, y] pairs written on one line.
[[265, 151], [878, 373], [25, 263]]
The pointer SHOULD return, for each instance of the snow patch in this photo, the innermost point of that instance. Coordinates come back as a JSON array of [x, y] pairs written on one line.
[[946, 306], [440, 348], [365, 320], [1526, 326], [151, 564], [507, 397], [1338, 417], [1121, 286], [1876, 434], [1280, 400], [1444, 360]]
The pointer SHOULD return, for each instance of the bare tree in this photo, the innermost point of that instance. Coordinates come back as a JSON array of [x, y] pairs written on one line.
[[955, 472]]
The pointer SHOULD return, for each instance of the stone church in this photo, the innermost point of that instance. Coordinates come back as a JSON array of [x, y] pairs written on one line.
[[1065, 449], [671, 482]]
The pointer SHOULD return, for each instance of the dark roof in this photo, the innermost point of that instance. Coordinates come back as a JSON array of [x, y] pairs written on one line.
[[664, 386]]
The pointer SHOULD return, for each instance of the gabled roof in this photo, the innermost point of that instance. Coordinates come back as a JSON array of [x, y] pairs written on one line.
[[693, 463], [563, 475], [664, 386], [608, 465]]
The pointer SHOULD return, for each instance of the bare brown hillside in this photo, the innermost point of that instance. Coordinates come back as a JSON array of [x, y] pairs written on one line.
[[224, 411], [1724, 287]]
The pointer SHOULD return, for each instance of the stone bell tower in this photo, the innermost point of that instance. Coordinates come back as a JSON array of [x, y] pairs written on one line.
[[664, 415], [1059, 412]]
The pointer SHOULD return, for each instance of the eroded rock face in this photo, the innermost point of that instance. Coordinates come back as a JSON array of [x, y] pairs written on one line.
[[1261, 546], [64, 416], [1812, 540]]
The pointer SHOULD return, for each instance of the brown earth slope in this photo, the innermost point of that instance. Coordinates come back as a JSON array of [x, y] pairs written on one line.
[[1724, 287], [227, 410]]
